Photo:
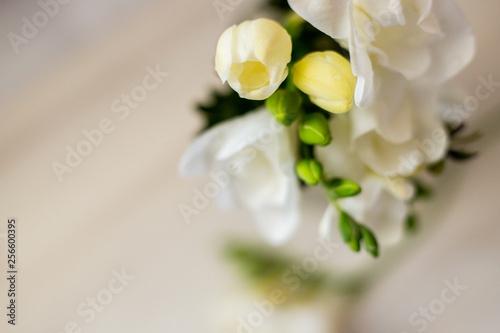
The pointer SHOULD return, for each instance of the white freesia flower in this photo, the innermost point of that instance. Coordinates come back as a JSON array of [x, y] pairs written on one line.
[[258, 155], [348, 158], [414, 136], [427, 39], [253, 56], [380, 205]]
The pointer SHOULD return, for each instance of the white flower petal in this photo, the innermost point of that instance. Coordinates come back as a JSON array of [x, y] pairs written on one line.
[[427, 22], [244, 131], [198, 158], [362, 121], [266, 184], [278, 222], [405, 47], [400, 187], [223, 58], [226, 199], [377, 209], [328, 16], [276, 48], [431, 135], [384, 12], [242, 48], [337, 158], [453, 53], [325, 225], [394, 107], [386, 158], [364, 94]]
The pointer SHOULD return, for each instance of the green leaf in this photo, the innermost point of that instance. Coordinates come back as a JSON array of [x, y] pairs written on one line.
[[341, 188]]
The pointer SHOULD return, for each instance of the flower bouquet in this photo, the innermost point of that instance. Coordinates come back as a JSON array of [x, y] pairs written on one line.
[[348, 95]]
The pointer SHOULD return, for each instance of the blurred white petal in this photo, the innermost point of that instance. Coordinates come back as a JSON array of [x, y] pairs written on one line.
[[326, 222], [266, 184]]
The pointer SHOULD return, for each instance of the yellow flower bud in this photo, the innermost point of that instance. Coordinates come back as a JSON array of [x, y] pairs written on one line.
[[253, 57], [328, 80]]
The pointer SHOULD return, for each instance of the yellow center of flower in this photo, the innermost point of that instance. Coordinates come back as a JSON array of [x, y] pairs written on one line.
[[252, 75]]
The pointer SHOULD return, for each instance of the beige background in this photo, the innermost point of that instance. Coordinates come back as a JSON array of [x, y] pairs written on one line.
[[119, 208]]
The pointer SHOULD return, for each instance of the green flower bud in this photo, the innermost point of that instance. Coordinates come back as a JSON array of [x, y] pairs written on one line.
[[314, 130], [354, 244], [369, 241], [341, 188], [309, 171], [350, 232], [284, 105]]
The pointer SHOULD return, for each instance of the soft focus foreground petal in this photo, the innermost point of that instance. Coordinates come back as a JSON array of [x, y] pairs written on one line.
[[198, 158], [329, 217], [244, 131], [277, 222]]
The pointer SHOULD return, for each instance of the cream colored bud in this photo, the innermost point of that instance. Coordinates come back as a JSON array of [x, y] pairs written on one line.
[[328, 80], [253, 56]]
